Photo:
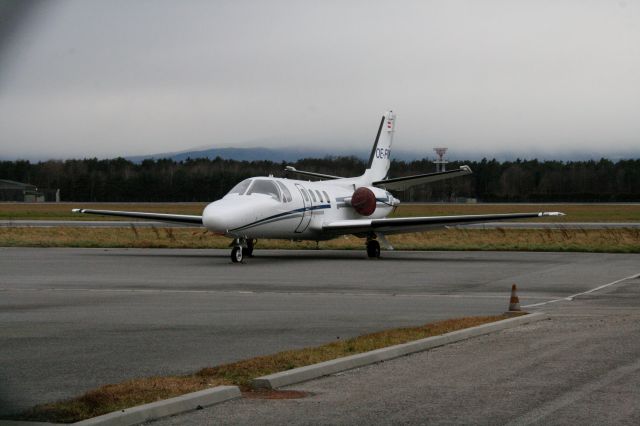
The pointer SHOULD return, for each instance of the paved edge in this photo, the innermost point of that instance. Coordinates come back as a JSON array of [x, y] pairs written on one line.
[[218, 394], [315, 371], [164, 408]]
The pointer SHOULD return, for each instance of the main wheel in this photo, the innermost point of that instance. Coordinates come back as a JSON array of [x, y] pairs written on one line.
[[373, 248], [236, 254]]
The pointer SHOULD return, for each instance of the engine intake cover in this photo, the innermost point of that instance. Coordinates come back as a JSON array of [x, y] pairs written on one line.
[[363, 201]]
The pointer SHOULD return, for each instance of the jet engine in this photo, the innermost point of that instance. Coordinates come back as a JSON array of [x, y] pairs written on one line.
[[363, 201]]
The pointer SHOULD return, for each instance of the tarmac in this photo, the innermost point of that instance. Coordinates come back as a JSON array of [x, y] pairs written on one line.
[[74, 319], [580, 367]]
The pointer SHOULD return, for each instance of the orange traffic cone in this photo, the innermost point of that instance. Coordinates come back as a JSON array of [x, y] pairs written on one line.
[[514, 302]]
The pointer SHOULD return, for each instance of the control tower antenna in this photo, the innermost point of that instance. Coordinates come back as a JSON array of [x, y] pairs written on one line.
[[441, 163]]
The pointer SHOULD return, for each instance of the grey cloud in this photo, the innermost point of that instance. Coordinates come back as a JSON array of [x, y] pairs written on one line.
[[118, 77]]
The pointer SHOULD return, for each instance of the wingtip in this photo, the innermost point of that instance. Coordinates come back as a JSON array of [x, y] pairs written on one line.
[[76, 210], [552, 214]]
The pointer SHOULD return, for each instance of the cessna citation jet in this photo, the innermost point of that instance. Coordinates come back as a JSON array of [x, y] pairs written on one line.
[[269, 207]]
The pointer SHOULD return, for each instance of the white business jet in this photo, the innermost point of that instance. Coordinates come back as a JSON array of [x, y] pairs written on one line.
[[269, 207]]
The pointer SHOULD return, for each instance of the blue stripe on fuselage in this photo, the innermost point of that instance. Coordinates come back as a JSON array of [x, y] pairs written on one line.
[[281, 215]]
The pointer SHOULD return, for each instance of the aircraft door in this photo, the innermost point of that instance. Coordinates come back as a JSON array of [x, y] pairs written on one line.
[[306, 214]]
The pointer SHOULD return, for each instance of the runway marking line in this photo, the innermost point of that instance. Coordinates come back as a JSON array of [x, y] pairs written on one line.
[[573, 296]]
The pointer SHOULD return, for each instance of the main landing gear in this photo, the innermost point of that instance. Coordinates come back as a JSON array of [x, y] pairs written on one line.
[[241, 248], [373, 248]]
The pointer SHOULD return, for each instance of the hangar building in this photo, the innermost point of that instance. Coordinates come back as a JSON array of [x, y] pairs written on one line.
[[17, 191]]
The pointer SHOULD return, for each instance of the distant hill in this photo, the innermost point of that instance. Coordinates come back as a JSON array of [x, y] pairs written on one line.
[[288, 155], [239, 154]]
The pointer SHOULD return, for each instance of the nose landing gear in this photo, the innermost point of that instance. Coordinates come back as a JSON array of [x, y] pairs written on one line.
[[236, 254], [241, 247], [248, 250]]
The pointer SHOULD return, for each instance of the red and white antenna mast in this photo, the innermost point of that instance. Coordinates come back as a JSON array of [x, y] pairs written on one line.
[[441, 163]]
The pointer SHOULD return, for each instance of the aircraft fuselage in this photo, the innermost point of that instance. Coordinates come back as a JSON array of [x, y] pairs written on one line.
[[299, 216]]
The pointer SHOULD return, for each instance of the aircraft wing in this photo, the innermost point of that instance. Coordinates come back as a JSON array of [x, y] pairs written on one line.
[[175, 218], [401, 183], [399, 225], [291, 169]]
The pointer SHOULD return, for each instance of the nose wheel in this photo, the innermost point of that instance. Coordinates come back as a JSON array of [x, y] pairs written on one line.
[[237, 255], [241, 247], [373, 249]]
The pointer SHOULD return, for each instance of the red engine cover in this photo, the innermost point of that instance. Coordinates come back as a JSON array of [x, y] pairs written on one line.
[[363, 201]]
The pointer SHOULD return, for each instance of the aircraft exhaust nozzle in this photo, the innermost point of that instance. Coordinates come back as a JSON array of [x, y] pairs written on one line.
[[363, 201]]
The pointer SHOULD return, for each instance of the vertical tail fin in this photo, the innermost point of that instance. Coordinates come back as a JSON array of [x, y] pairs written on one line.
[[380, 158]]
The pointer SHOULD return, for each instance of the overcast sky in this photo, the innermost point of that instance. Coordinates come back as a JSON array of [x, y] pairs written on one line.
[[108, 78]]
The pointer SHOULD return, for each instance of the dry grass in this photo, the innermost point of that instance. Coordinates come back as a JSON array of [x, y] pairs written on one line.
[[114, 397], [575, 212], [140, 391], [614, 240], [620, 240]]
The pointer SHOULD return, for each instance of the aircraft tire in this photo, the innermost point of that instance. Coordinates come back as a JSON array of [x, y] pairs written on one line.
[[373, 249], [236, 255]]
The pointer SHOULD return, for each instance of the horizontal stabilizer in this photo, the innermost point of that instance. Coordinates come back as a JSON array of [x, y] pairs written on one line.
[[176, 218], [402, 183], [290, 169], [398, 225]]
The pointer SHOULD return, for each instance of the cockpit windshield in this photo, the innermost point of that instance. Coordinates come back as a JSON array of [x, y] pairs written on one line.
[[267, 187], [240, 188]]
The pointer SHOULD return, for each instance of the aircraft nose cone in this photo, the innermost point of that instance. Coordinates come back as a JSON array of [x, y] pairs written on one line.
[[226, 215], [236, 214], [216, 217]]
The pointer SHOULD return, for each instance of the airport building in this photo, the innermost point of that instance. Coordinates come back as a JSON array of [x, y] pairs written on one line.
[[23, 192]]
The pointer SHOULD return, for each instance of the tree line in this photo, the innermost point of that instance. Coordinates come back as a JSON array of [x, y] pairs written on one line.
[[120, 180]]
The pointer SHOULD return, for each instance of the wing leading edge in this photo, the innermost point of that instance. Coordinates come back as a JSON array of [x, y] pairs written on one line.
[[416, 224], [163, 217]]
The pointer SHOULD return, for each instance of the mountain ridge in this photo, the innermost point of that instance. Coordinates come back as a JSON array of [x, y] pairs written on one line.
[[263, 154], [290, 155]]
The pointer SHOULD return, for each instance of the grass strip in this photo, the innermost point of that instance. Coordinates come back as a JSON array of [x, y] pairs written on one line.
[[612, 240], [134, 392]]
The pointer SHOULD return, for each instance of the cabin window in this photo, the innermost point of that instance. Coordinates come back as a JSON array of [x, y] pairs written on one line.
[[286, 195], [266, 187], [313, 197], [304, 194], [327, 196], [240, 188], [319, 196]]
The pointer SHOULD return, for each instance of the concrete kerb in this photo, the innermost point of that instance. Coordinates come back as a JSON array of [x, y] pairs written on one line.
[[164, 408], [310, 372], [218, 394]]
